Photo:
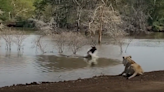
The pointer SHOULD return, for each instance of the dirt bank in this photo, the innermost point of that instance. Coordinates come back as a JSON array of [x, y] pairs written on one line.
[[149, 82]]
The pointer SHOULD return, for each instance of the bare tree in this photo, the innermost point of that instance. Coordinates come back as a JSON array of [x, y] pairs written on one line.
[[46, 28], [39, 44], [7, 35], [76, 41], [106, 17], [136, 21], [97, 20], [73, 40], [1, 25], [79, 12], [18, 38], [61, 40]]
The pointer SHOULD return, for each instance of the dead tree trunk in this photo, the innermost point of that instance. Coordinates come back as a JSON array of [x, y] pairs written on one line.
[[101, 25]]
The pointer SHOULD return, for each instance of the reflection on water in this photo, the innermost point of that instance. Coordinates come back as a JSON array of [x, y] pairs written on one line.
[[28, 66]]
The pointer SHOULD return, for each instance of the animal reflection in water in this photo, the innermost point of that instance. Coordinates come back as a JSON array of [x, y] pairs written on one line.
[[91, 57]]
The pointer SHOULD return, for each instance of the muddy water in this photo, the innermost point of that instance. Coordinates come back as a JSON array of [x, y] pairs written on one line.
[[31, 65]]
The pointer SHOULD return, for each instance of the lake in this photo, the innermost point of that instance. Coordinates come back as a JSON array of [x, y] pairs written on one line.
[[31, 65]]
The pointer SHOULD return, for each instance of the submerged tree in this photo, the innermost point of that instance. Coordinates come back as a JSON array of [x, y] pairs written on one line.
[[61, 40], [7, 35], [38, 44], [74, 41], [18, 39]]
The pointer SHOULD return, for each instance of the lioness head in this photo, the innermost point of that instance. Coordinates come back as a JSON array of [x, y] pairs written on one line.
[[126, 60]]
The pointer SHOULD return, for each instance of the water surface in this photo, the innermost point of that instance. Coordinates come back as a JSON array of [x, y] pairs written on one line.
[[31, 65]]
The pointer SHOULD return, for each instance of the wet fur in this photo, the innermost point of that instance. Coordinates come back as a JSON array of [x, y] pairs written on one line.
[[132, 69], [90, 53], [91, 57]]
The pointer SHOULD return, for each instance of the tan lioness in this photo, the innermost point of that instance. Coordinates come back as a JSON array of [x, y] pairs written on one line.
[[131, 67]]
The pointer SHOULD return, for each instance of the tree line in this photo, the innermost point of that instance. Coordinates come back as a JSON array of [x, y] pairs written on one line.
[[141, 14]]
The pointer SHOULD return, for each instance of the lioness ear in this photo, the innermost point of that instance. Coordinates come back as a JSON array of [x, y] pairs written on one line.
[[123, 57], [130, 56]]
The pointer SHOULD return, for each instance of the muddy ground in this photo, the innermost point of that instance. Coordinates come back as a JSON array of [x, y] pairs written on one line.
[[149, 82]]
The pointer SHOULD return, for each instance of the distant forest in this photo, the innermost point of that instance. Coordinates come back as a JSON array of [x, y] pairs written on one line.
[[139, 15]]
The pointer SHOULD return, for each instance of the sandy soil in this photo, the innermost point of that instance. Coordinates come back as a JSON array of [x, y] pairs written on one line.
[[149, 82]]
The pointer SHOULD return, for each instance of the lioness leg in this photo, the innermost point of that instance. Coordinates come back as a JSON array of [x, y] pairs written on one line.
[[132, 75], [129, 72], [125, 71]]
